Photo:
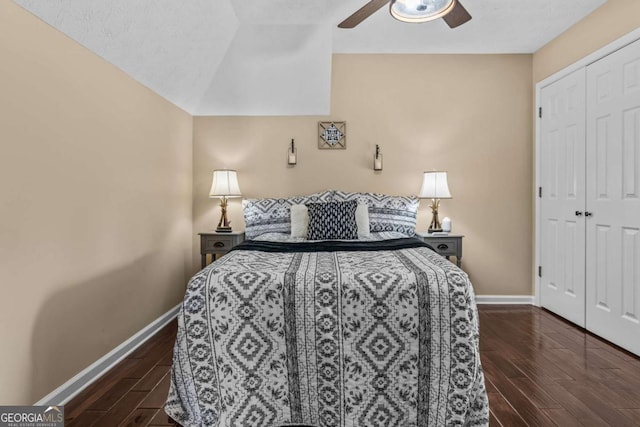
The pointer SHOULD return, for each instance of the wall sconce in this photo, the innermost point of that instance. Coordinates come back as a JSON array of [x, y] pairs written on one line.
[[292, 157], [377, 159]]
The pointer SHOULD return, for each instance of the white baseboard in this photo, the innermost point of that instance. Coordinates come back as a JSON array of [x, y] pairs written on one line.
[[83, 379], [505, 299]]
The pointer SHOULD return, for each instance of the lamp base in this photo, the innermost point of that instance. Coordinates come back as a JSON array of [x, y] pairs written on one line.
[[224, 225], [435, 226]]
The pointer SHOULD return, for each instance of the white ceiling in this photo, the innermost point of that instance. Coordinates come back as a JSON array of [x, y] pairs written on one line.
[[273, 57]]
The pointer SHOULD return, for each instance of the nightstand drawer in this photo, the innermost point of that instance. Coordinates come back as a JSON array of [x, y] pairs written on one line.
[[213, 243], [222, 244], [445, 247]]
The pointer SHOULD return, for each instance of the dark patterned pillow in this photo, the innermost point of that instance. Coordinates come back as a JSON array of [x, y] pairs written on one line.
[[332, 221], [386, 213]]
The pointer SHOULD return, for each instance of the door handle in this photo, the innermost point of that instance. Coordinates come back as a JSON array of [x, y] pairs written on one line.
[[578, 213], [587, 213]]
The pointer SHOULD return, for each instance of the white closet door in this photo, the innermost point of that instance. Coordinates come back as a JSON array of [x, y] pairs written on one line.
[[613, 196], [562, 163]]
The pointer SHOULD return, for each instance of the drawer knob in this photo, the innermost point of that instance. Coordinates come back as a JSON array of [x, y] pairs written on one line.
[[218, 244], [443, 246]]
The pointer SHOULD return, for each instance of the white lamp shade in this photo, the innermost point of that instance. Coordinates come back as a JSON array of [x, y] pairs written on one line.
[[435, 186], [420, 10], [225, 183]]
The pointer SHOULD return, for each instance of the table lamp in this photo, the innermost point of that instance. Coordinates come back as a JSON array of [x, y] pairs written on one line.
[[435, 187], [224, 185]]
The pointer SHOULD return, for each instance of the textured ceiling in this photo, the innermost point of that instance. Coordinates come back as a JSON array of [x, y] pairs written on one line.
[[273, 57]]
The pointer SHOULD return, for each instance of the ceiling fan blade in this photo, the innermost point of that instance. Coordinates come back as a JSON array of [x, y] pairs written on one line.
[[457, 16], [363, 13]]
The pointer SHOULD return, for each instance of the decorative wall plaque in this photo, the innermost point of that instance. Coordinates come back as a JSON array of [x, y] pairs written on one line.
[[332, 135]]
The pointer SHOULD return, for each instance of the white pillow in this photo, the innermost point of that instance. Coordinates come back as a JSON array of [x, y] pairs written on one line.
[[362, 220], [300, 220]]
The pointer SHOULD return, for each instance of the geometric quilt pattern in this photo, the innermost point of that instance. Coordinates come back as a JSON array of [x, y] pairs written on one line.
[[331, 339]]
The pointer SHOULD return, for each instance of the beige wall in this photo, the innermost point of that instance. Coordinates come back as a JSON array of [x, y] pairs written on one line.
[[468, 114], [606, 24], [95, 214]]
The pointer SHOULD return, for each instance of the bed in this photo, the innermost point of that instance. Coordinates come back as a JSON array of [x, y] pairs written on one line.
[[376, 330]]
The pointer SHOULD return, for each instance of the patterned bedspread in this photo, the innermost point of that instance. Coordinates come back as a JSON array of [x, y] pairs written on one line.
[[353, 338]]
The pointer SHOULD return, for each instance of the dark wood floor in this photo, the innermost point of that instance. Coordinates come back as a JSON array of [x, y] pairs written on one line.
[[540, 371], [133, 392]]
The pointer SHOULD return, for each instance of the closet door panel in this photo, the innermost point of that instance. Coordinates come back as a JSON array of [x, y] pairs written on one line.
[[562, 167], [613, 198]]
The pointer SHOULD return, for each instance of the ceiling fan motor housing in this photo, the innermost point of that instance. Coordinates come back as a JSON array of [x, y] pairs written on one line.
[[420, 10], [453, 13]]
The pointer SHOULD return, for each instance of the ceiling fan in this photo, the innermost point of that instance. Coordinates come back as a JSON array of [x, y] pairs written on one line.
[[453, 13]]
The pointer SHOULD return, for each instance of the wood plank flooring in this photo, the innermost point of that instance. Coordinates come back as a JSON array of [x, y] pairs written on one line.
[[133, 392], [540, 371]]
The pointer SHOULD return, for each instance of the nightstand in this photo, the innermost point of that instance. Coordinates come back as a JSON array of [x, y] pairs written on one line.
[[446, 246], [218, 243]]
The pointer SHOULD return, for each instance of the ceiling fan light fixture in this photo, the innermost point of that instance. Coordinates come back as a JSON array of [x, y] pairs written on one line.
[[420, 10]]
